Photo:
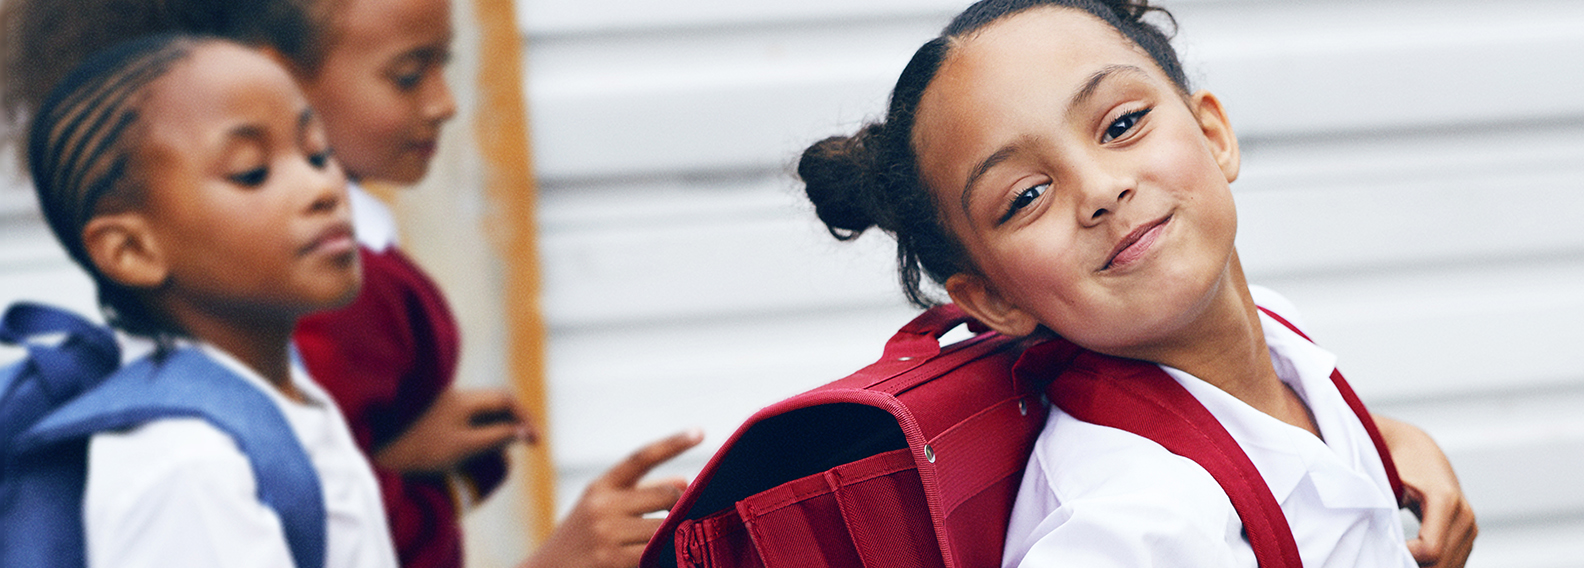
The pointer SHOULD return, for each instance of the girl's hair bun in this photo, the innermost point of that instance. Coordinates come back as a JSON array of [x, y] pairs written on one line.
[[838, 174], [1134, 11]]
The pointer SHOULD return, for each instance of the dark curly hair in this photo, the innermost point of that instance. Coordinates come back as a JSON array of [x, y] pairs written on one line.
[[871, 178], [81, 156]]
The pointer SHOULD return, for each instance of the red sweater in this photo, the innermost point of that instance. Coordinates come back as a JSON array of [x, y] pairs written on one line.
[[385, 358]]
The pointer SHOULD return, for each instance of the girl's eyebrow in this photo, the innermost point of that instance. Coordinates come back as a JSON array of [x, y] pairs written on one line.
[[1084, 93], [1093, 84], [305, 119], [995, 159]]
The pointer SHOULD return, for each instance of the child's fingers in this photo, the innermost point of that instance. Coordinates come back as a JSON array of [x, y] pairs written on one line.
[[649, 498], [1446, 535], [487, 407], [630, 554], [481, 439], [488, 401], [635, 466], [1446, 530]]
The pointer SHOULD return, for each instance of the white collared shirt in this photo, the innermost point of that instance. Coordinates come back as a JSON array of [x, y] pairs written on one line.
[[372, 220], [176, 493], [1098, 496]]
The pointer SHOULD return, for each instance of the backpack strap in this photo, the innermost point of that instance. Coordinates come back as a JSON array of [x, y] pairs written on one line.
[[187, 383], [50, 374], [1357, 405], [1140, 398], [40, 524]]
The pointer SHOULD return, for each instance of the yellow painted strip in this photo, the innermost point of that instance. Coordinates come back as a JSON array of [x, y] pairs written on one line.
[[501, 129]]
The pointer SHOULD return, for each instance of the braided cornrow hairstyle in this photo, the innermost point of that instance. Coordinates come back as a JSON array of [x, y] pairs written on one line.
[[871, 179], [80, 155], [40, 40]]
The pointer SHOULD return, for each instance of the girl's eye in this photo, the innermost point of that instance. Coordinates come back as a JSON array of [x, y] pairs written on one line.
[[1022, 200], [319, 159], [251, 178], [1122, 125], [407, 81]]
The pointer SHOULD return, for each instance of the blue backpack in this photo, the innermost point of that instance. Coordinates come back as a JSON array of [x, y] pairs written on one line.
[[58, 396]]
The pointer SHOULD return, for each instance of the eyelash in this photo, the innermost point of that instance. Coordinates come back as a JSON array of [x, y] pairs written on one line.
[[257, 176], [251, 178], [407, 81], [320, 160], [1021, 200], [1131, 119]]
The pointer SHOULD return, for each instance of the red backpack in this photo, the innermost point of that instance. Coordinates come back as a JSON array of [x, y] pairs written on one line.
[[915, 460]]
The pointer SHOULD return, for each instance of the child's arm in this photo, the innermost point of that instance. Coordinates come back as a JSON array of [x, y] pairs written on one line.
[[1446, 520], [607, 528], [459, 425]]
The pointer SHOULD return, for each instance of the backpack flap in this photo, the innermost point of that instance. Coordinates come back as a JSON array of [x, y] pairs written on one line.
[[833, 475]]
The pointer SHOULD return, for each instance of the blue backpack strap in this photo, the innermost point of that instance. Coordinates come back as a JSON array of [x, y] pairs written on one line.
[[35, 528], [49, 375], [187, 383]]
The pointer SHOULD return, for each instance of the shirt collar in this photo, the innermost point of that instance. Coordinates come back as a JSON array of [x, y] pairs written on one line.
[[371, 219]]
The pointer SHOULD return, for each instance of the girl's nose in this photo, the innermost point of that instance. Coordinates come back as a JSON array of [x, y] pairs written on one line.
[[440, 106], [1103, 196], [329, 187]]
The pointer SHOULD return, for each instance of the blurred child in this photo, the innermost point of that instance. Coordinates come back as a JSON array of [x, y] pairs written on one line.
[[374, 71], [1046, 162], [192, 180]]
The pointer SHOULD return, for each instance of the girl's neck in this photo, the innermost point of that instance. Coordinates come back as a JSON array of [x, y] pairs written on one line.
[[1225, 346], [263, 345]]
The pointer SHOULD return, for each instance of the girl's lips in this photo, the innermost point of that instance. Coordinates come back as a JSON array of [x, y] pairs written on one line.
[[335, 239], [426, 148], [1136, 244]]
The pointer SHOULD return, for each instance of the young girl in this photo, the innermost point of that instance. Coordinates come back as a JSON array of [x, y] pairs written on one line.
[[374, 71], [1046, 162], [193, 182]]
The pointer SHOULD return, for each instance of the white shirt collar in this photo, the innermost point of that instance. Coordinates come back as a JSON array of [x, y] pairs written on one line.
[[371, 219], [134, 347], [1286, 454]]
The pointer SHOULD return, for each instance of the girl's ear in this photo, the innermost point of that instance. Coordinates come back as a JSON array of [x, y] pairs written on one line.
[[975, 296], [1217, 131], [123, 248]]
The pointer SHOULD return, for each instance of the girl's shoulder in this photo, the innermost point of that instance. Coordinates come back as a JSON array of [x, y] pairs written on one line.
[[154, 490], [169, 453], [1093, 491], [1089, 462]]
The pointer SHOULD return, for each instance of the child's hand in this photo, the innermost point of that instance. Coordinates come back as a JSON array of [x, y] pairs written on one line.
[[1446, 520], [459, 425], [607, 528]]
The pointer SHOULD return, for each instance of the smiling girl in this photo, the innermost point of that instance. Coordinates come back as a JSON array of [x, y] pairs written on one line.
[[1048, 165]]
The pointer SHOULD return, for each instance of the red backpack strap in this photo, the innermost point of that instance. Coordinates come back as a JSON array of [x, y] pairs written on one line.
[[1357, 405], [1140, 398]]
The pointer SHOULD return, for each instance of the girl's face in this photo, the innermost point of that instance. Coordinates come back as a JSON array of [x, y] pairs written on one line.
[[1090, 195], [382, 89], [247, 211]]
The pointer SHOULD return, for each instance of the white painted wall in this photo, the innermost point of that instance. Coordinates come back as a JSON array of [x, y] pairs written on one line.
[[1413, 178]]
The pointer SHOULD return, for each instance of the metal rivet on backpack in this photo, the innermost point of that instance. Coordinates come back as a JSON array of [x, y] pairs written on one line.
[[929, 453], [1023, 406]]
